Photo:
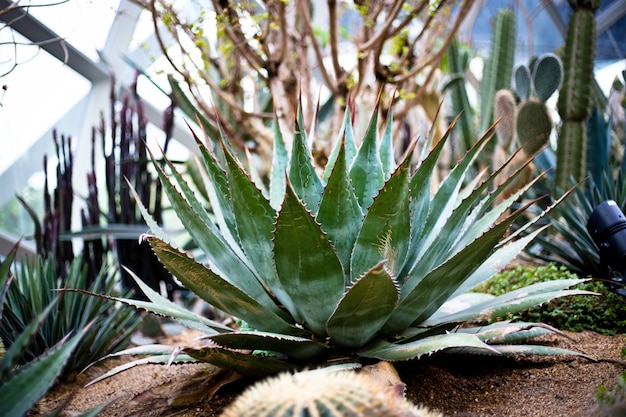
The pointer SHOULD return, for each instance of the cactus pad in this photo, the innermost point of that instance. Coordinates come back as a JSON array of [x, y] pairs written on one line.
[[533, 126]]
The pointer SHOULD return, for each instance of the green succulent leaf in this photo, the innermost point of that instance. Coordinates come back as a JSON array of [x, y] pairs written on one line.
[[364, 308], [367, 170], [525, 350], [506, 332], [307, 264], [243, 363], [226, 260], [255, 226], [386, 147], [503, 255], [31, 381], [154, 359], [426, 346], [154, 227], [189, 109], [280, 161], [218, 191], [419, 192], [421, 297], [385, 231], [298, 348], [217, 291], [340, 214], [506, 305], [12, 355], [346, 141], [162, 306], [302, 174], [165, 309], [442, 205]]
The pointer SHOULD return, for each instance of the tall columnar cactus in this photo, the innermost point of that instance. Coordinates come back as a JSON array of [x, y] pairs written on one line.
[[497, 72], [323, 394], [575, 94]]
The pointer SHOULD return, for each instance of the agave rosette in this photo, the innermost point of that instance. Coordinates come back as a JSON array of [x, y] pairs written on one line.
[[363, 261]]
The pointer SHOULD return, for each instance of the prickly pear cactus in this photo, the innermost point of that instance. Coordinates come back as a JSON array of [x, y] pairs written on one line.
[[324, 394], [528, 123], [533, 121], [533, 126]]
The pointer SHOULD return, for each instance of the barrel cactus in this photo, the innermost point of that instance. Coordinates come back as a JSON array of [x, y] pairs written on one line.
[[348, 263], [323, 394]]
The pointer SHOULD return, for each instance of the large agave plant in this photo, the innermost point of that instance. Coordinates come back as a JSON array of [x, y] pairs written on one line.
[[361, 261]]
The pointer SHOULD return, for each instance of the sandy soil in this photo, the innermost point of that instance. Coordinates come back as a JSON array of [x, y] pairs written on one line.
[[456, 385]]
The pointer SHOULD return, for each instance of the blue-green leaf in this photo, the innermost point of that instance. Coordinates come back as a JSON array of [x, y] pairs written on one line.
[[15, 351], [162, 306], [219, 195], [422, 295], [428, 345], [345, 139], [526, 350], [367, 170], [155, 359], [5, 268], [189, 109], [255, 226], [307, 264], [364, 308], [295, 347], [31, 381], [386, 147], [419, 193], [243, 363], [340, 214], [278, 173], [443, 203], [497, 261], [224, 259], [386, 228], [508, 332], [507, 305], [302, 174], [224, 295]]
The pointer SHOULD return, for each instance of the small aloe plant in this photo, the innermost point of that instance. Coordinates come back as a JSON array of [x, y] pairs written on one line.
[[358, 262]]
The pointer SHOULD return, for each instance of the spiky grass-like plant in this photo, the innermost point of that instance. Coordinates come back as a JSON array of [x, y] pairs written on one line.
[[35, 289], [359, 263], [23, 382]]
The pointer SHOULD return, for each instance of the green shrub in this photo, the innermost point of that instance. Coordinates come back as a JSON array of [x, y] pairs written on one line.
[[604, 314]]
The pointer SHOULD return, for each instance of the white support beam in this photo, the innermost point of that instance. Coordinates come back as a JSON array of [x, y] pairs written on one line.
[[610, 16], [18, 18]]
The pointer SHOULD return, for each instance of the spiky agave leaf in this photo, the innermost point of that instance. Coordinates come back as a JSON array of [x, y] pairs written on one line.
[[357, 262]]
